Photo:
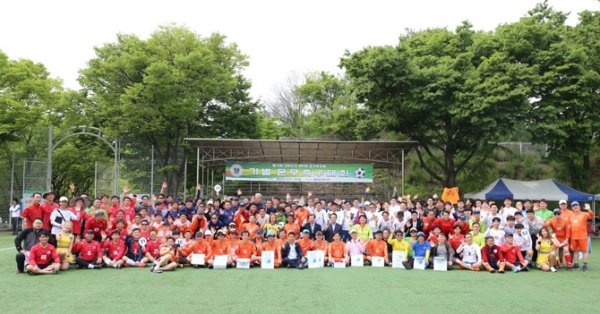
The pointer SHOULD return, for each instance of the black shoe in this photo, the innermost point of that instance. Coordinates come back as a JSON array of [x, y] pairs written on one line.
[[493, 271], [97, 267], [78, 266]]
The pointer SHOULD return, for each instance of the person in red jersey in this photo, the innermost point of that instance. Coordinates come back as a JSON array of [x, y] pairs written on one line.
[[97, 224], [429, 222], [115, 249], [456, 238], [77, 209], [42, 255], [145, 230], [492, 257], [127, 209], [47, 208], [446, 223], [33, 211], [152, 247], [513, 259], [90, 252]]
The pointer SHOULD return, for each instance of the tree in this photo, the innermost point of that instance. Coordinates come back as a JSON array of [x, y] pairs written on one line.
[[453, 92], [175, 84], [287, 107], [26, 92]]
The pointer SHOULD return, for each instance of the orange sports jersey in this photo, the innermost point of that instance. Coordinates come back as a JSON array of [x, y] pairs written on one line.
[[579, 225], [266, 246], [245, 250], [199, 248], [258, 244], [450, 195], [320, 245], [337, 249], [305, 245], [279, 243], [566, 214], [301, 215], [221, 248], [251, 228], [292, 227], [237, 219], [561, 228], [377, 248], [182, 226]]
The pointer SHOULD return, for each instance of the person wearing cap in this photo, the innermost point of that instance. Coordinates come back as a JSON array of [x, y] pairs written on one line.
[[42, 255], [410, 238], [513, 259], [305, 242], [319, 244], [365, 232], [292, 253], [492, 257], [221, 247], [291, 226], [90, 252], [245, 249], [476, 218], [258, 240], [337, 252], [535, 224], [561, 229], [579, 236], [47, 208], [98, 224], [400, 245], [271, 245], [115, 250], [465, 227], [470, 254], [544, 212], [208, 236], [355, 246], [421, 249], [565, 212], [60, 215]]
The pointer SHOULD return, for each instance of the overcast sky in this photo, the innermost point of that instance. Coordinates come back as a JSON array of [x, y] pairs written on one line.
[[280, 37]]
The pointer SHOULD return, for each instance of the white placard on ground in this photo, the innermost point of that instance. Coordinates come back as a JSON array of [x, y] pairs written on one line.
[[440, 264], [397, 259], [357, 261], [198, 259], [316, 259], [339, 265], [242, 263], [267, 260], [220, 262], [419, 263], [377, 261]]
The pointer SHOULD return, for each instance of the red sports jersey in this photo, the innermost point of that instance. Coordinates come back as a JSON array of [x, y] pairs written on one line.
[[88, 251], [199, 248], [47, 210], [77, 223], [464, 229], [43, 255], [30, 213], [115, 251], [153, 248], [446, 226], [96, 226], [455, 241], [428, 225], [122, 234], [511, 253], [129, 214], [491, 254], [561, 228]]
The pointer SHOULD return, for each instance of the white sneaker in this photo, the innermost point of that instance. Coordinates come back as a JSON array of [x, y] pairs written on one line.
[[552, 269], [157, 270]]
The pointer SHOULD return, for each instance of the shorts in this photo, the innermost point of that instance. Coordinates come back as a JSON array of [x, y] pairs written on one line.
[[579, 245], [494, 265], [470, 263], [43, 266]]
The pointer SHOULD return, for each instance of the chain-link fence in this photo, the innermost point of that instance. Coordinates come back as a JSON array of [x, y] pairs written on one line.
[[526, 148]]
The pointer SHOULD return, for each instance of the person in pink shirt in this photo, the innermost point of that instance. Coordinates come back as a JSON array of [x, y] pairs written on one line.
[[355, 246]]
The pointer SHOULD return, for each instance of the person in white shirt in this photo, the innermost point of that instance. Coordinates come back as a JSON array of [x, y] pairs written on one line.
[[399, 223], [523, 240], [15, 215], [394, 207], [492, 215], [508, 210], [495, 232], [471, 254], [61, 215], [320, 215]]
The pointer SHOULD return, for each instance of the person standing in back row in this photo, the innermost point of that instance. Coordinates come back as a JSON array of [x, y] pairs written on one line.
[[579, 237], [15, 214]]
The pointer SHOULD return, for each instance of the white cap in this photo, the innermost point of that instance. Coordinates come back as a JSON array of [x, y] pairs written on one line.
[[207, 232], [562, 202], [367, 203], [209, 203], [63, 199]]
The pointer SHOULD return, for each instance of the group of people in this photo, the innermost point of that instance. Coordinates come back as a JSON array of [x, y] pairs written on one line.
[[164, 233]]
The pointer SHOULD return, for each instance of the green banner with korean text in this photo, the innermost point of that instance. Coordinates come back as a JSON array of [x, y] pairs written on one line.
[[286, 172]]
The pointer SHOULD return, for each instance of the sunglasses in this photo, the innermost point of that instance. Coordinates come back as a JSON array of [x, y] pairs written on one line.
[[556, 214]]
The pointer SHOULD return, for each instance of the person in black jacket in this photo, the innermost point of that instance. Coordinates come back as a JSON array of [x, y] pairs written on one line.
[[414, 222], [332, 228], [442, 249], [28, 237], [292, 253], [312, 227]]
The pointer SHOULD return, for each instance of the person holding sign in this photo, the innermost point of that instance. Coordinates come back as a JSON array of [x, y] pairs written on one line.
[[421, 249], [377, 248], [444, 250], [245, 249], [271, 245], [471, 254], [221, 247], [337, 251], [199, 246], [398, 244]]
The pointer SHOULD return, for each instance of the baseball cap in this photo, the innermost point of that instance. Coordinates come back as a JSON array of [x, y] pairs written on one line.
[[556, 210], [63, 199], [145, 197], [259, 231], [353, 231], [270, 233], [319, 233], [220, 232], [463, 217], [573, 203], [413, 229], [477, 211], [232, 224], [198, 234], [300, 203], [420, 234], [361, 206], [209, 203], [562, 202], [89, 231], [305, 231], [367, 203], [207, 232], [508, 235]]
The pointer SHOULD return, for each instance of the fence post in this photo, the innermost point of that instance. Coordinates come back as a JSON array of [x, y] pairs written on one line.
[[185, 178], [12, 173], [520, 148], [152, 172]]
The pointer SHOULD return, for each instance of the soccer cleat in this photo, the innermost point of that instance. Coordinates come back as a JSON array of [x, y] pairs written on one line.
[[501, 271], [152, 267], [118, 266], [553, 269], [475, 268], [515, 270], [157, 271], [584, 268], [300, 267], [31, 273], [492, 271], [576, 266]]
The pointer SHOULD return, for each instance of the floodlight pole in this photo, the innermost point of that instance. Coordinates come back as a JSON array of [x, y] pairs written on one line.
[[403, 172]]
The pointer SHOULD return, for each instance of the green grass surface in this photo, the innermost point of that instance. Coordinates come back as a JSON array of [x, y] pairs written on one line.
[[350, 290]]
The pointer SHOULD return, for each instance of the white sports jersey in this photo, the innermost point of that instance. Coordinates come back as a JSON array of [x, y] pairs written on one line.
[[498, 235], [471, 253]]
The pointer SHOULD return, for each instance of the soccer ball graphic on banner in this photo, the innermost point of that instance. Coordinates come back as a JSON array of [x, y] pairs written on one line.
[[360, 173]]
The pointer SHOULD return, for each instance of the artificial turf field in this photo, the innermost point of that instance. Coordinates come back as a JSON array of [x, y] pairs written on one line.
[[350, 290]]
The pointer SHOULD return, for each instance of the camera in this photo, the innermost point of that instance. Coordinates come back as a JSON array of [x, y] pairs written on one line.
[[176, 245]]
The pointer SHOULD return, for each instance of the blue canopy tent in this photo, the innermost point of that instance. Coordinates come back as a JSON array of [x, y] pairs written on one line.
[[534, 190]]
